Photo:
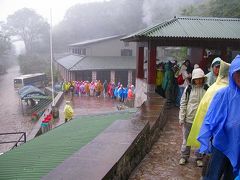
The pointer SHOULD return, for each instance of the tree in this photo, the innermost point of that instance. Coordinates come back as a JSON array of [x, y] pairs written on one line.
[[214, 8], [31, 27], [5, 44], [32, 63], [97, 20], [5, 47]]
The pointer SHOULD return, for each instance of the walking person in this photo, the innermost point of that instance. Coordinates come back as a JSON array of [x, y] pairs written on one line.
[[105, 86], [221, 82], [168, 82], [68, 112], [71, 88], [213, 74], [220, 134], [190, 100], [183, 80]]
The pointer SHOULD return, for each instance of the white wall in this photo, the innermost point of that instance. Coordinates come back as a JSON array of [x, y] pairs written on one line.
[[141, 89], [111, 47]]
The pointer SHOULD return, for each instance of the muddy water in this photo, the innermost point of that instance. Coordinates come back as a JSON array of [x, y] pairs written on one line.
[[11, 118]]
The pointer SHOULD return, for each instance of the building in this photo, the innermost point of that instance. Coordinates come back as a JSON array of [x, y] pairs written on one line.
[[100, 59], [197, 33]]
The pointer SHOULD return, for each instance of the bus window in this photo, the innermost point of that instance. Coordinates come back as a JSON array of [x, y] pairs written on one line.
[[18, 83], [37, 80]]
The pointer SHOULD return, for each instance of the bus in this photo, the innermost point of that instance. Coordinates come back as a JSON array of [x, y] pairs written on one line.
[[37, 80]]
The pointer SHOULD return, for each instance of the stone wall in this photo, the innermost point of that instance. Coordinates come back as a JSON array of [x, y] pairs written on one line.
[[145, 139], [116, 151]]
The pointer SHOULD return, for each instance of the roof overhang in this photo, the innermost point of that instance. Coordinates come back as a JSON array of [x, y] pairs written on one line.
[[191, 32], [190, 42]]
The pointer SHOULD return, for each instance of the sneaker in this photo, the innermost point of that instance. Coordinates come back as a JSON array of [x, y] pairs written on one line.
[[199, 163], [182, 161]]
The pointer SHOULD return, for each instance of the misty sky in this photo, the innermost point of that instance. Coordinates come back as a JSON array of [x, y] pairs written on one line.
[[42, 7]]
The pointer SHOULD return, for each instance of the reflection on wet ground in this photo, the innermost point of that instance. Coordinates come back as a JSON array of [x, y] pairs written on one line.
[[162, 161], [86, 105]]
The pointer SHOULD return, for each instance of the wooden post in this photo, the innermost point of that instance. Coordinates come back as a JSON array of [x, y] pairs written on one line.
[[152, 65], [224, 54], [140, 62]]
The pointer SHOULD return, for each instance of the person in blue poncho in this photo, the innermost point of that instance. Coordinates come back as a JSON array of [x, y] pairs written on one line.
[[220, 131]]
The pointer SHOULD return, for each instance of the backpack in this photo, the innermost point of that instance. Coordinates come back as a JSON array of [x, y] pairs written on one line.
[[180, 79], [189, 88]]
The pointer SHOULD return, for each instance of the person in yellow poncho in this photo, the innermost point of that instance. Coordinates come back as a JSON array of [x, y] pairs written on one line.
[[68, 112], [222, 81], [159, 79]]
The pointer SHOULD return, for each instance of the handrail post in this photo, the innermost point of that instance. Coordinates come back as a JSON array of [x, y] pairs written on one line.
[[25, 137]]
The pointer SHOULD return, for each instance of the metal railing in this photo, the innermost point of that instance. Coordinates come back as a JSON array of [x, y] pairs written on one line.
[[23, 135]]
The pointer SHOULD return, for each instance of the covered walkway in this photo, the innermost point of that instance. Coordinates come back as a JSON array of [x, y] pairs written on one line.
[[162, 161]]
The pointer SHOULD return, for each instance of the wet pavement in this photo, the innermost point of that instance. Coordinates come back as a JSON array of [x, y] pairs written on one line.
[[11, 119], [86, 105], [162, 161]]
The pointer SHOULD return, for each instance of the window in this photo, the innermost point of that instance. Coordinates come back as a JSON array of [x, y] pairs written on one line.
[[126, 52]]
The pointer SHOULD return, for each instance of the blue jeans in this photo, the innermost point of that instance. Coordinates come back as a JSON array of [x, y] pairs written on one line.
[[179, 95], [219, 165]]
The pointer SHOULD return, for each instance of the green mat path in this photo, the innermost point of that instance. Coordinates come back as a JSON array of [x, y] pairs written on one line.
[[39, 156]]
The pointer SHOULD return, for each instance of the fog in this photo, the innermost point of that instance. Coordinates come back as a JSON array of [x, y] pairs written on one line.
[[95, 19], [155, 11]]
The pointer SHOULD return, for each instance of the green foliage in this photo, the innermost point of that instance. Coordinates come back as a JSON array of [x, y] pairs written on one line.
[[180, 55], [5, 47], [214, 8], [30, 63], [225, 8]]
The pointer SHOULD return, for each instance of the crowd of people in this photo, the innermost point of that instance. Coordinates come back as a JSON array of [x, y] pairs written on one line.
[[208, 114], [97, 89]]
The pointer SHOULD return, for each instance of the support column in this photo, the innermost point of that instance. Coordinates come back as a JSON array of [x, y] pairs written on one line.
[[140, 62], [65, 75], [112, 76], [130, 77], [151, 78], [94, 75], [224, 54], [203, 62], [71, 75]]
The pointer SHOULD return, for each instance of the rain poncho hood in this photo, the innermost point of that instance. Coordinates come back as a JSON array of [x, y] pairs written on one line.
[[68, 112], [197, 73], [211, 78], [222, 81], [222, 122]]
